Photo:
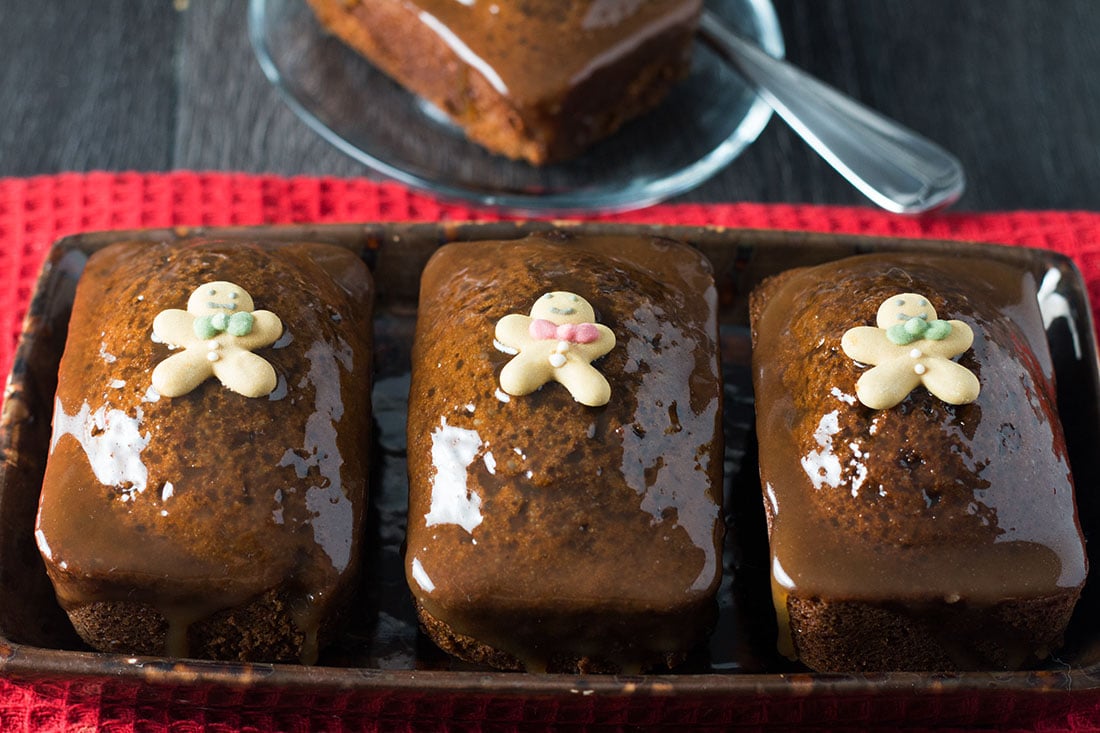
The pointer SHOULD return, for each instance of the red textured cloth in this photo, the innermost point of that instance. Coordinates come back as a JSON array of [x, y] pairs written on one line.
[[35, 212]]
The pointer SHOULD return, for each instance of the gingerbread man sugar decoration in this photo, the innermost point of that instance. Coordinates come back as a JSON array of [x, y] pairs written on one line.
[[556, 343], [911, 347], [218, 332]]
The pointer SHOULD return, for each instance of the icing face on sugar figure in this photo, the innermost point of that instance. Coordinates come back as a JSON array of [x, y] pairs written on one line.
[[909, 347], [556, 343], [218, 332]]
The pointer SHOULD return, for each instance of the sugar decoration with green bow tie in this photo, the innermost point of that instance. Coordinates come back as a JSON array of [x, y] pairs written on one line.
[[217, 334], [237, 324], [911, 347], [914, 328]]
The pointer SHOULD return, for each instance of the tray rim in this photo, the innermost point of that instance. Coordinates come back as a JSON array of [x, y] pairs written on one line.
[[24, 661]]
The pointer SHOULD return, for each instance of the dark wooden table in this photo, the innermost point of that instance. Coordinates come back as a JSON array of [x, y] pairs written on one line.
[[1010, 86]]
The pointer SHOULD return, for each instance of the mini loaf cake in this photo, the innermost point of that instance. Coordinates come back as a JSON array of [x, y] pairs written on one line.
[[918, 493], [565, 453], [538, 80], [206, 479]]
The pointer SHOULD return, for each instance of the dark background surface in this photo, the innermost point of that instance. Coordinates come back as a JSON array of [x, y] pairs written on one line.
[[1012, 87]]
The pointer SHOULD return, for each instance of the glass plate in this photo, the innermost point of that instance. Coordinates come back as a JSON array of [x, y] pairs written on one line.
[[703, 125]]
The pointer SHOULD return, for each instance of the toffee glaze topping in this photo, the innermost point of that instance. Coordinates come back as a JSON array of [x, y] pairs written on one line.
[[541, 526], [923, 501], [208, 501], [538, 49]]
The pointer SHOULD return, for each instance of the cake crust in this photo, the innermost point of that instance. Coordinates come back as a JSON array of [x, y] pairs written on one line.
[[210, 523], [545, 533], [889, 525]]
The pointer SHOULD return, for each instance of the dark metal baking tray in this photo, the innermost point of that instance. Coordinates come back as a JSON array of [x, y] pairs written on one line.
[[381, 667]]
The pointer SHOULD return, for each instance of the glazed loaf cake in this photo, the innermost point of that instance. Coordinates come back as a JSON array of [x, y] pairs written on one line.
[[918, 493], [206, 480], [538, 80], [565, 466]]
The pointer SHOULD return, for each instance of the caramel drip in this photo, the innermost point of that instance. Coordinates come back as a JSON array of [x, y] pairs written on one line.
[[307, 618], [180, 619], [784, 639]]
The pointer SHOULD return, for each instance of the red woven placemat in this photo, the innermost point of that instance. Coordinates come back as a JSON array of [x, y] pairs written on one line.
[[35, 212]]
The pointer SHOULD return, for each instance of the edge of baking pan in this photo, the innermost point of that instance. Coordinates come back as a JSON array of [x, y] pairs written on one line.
[[396, 252]]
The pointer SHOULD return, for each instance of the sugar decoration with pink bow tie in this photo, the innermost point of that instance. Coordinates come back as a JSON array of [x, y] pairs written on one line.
[[557, 342], [577, 333]]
